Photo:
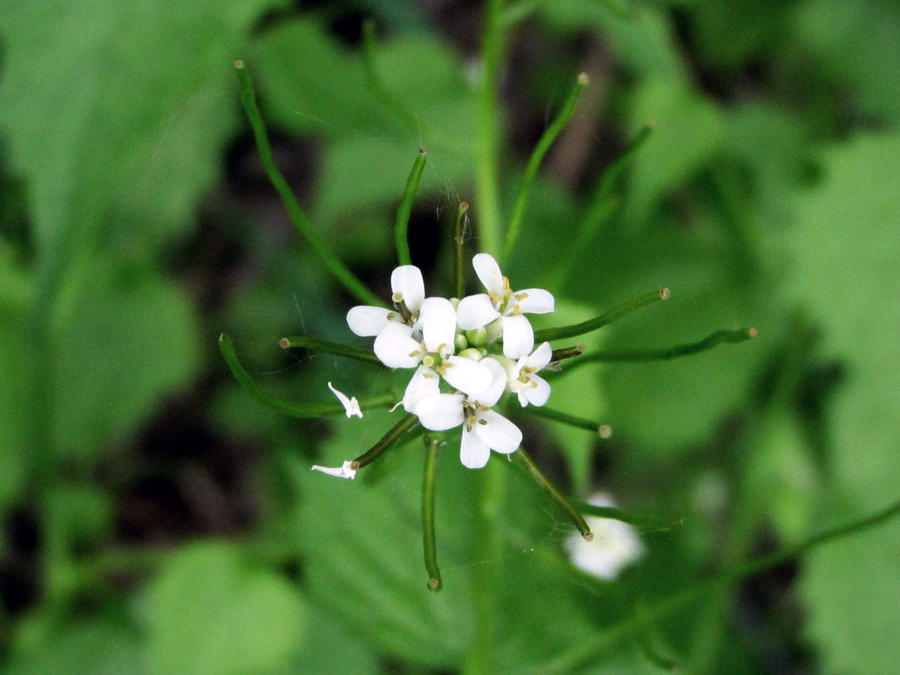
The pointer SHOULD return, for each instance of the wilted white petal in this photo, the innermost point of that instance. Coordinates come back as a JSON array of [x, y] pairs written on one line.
[[438, 325], [488, 272], [469, 376], [366, 320], [490, 394], [440, 412], [537, 391], [351, 405], [535, 301], [396, 349], [499, 433], [540, 357], [518, 336], [407, 281], [475, 311], [423, 384], [473, 452], [346, 470]]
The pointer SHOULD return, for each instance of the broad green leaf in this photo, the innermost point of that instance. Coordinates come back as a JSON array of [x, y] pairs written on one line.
[[211, 611], [117, 113], [130, 339], [846, 247], [858, 43], [107, 646]]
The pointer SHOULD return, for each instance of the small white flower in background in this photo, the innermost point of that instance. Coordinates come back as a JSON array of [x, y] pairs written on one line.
[[484, 430], [524, 380], [396, 347], [346, 470], [615, 544], [479, 310], [407, 286], [351, 405]]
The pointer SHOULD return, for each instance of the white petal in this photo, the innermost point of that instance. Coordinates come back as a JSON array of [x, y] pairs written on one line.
[[351, 405], [492, 393], [440, 412], [475, 311], [474, 453], [535, 301], [469, 376], [499, 433], [366, 321], [540, 357], [346, 470], [518, 337], [438, 325], [423, 384], [488, 272], [537, 391], [407, 281], [396, 349], [523, 399]]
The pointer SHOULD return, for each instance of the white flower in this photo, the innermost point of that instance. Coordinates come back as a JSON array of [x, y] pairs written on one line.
[[407, 286], [396, 347], [351, 405], [346, 470], [524, 380], [615, 544], [479, 310], [484, 430]]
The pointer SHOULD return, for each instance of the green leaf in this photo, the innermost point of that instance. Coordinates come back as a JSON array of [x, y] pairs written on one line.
[[210, 611], [118, 113], [845, 247], [107, 646], [129, 338]]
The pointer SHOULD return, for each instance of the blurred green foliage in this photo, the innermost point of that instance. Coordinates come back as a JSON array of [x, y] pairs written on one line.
[[157, 520]]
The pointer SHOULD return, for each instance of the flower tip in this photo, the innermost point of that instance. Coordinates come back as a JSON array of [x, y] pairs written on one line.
[[423, 151], [664, 293], [239, 64], [752, 333], [604, 431], [583, 79], [284, 343], [588, 536], [464, 206], [346, 470], [435, 584]]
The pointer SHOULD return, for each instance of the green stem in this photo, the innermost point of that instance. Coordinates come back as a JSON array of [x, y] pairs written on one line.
[[317, 344], [386, 442], [296, 214], [717, 338], [487, 135], [526, 461], [570, 660], [432, 445], [459, 238], [604, 319], [292, 408], [602, 430], [534, 162], [645, 522], [401, 226]]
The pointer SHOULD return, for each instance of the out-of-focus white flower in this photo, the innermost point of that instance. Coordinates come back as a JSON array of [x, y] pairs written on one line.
[[484, 430], [408, 287], [346, 470], [396, 347], [615, 544], [524, 380], [481, 309], [351, 405]]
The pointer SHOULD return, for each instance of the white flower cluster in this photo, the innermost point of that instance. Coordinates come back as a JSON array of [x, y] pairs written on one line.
[[457, 342]]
